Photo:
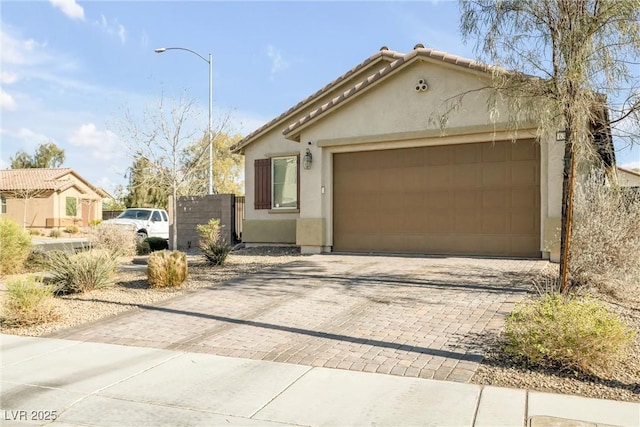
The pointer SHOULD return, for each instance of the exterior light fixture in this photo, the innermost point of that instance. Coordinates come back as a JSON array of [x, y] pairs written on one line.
[[307, 159]]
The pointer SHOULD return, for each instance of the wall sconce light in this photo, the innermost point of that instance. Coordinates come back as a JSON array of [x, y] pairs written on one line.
[[307, 159]]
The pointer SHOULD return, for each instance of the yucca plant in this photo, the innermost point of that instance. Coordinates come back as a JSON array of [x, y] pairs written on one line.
[[213, 246], [85, 271]]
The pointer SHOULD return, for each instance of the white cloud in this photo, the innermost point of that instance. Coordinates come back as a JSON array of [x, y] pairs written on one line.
[[631, 165], [277, 62], [70, 8], [101, 143], [6, 101], [8, 78], [20, 52], [113, 28]]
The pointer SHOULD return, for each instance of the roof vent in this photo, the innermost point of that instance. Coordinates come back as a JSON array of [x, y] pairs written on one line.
[[418, 46], [383, 48]]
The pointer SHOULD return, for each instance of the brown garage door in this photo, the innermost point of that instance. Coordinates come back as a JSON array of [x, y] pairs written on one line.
[[472, 199]]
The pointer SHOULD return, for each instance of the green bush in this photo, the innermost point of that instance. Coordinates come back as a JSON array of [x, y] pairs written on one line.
[[35, 232], [212, 244], [167, 269], [55, 233], [81, 272], [143, 248], [15, 245], [574, 333], [71, 229], [28, 302], [95, 222], [157, 243], [118, 239]]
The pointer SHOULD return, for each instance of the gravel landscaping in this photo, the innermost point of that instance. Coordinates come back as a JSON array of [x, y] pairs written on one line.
[[131, 291]]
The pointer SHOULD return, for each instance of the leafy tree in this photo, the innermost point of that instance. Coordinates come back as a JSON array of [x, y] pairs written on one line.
[[47, 155], [227, 167], [571, 57], [143, 193]]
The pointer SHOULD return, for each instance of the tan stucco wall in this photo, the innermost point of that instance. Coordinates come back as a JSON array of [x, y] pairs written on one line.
[[628, 179], [393, 115], [310, 232], [269, 231], [36, 213]]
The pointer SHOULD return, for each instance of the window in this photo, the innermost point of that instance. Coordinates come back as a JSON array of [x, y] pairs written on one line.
[[71, 206], [156, 216], [3, 205], [277, 183], [285, 182], [164, 216]]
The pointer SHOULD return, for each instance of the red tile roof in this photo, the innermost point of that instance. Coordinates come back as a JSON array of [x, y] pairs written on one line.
[[35, 179]]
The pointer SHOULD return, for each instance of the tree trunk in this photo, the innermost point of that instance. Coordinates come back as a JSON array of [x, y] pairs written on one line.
[[174, 209], [568, 174]]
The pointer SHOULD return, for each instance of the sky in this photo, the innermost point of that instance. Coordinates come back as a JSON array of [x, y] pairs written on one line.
[[69, 69]]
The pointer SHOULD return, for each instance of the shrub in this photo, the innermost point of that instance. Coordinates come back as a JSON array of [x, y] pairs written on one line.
[[95, 222], [81, 272], [120, 240], [15, 245], [35, 232], [578, 334], [36, 260], [212, 245], [167, 269], [143, 248], [157, 243], [71, 229], [55, 233], [28, 303], [606, 235]]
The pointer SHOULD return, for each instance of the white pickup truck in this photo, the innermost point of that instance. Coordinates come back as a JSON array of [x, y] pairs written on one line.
[[148, 222]]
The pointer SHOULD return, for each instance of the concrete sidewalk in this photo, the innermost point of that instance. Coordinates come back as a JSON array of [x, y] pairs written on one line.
[[96, 384]]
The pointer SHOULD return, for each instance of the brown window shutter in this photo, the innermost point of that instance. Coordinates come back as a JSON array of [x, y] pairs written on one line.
[[262, 190], [298, 180]]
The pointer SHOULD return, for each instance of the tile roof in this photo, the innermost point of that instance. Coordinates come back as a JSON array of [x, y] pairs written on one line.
[[39, 179], [418, 52], [382, 55], [397, 60]]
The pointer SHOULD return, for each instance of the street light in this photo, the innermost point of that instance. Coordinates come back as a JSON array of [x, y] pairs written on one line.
[[210, 62]]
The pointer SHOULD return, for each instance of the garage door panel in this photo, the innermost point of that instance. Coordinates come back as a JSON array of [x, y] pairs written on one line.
[[524, 150], [495, 153], [466, 176], [524, 173], [480, 199]]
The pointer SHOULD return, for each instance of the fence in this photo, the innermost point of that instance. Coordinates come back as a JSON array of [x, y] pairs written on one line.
[[239, 217]]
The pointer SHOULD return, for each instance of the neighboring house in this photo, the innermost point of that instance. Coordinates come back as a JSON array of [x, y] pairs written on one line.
[[47, 198], [362, 165], [628, 178]]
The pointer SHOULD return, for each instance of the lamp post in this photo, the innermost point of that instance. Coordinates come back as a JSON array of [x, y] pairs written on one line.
[[210, 62]]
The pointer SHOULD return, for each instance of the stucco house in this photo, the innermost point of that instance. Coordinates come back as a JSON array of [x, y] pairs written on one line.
[[48, 198], [362, 166], [628, 177]]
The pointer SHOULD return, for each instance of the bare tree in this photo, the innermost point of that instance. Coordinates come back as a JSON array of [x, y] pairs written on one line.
[[27, 194], [161, 136], [568, 59]]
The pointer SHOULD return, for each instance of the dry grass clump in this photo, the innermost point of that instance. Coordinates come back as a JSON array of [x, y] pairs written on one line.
[[572, 333], [15, 246], [81, 272], [28, 303], [605, 248], [114, 238], [167, 269]]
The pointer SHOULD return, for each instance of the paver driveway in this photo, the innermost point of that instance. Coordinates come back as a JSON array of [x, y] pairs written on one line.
[[418, 317]]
